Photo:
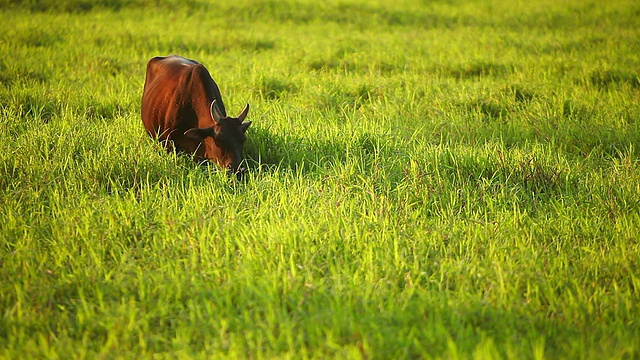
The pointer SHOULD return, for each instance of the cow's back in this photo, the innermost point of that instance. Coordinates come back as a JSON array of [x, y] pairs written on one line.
[[163, 87], [162, 70], [176, 97]]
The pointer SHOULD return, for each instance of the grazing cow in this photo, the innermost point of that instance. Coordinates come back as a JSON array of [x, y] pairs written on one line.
[[182, 107]]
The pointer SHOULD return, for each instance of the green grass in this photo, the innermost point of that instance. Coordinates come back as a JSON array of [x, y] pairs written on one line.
[[428, 179]]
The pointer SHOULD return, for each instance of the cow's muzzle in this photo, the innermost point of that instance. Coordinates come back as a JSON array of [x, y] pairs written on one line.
[[239, 172]]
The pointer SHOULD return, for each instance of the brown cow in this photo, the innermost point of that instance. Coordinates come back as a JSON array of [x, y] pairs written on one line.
[[182, 107]]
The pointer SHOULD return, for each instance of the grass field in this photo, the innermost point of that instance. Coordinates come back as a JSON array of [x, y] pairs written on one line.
[[428, 179]]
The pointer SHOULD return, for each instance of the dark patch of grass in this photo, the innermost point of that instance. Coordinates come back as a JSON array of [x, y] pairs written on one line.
[[477, 69], [127, 175], [538, 177], [364, 93], [350, 59], [603, 79], [356, 14], [487, 109], [256, 44], [288, 151], [99, 110], [572, 109], [353, 95], [108, 65], [329, 64], [521, 94], [179, 45], [365, 15], [368, 143], [10, 74], [528, 172], [273, 88], [83, 6], [39, 38], [384, 67], [265, 147], [34, 105]]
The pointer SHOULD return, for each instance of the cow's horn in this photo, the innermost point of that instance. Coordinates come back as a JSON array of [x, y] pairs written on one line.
[[215, 112], [244, 113]]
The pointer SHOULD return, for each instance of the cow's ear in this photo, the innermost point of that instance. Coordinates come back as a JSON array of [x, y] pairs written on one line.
[[245, 125], [200, 133]]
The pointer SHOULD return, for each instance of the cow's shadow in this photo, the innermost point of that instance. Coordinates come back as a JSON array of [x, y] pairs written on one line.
[[266, 150]]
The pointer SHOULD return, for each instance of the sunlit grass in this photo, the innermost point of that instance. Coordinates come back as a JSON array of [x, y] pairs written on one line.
[[442, 179]]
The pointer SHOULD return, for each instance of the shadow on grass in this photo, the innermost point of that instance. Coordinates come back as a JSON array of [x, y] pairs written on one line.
[[382, 159], [284, 151], [309, 155]]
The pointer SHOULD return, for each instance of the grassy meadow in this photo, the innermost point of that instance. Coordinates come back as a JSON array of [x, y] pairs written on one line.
[[427, 179]]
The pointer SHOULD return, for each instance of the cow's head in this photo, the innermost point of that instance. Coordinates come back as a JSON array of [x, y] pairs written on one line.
[[228, 135]]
